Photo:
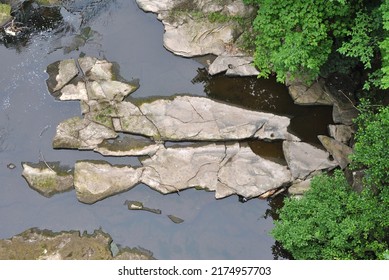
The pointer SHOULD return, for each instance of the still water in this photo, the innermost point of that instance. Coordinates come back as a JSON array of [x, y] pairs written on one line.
[[121, 32]]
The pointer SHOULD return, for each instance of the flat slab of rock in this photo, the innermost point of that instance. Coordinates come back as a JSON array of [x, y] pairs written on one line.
[[299, 188], [202, 119], [35, 244], [338, 150], [48, 178], [95, 180], [226, 169], [303, 159]]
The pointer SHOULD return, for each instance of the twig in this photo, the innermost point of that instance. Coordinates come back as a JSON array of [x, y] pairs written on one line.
[[43, 159]]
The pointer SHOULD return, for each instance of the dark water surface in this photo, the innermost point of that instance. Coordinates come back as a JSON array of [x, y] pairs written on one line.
[[121, 32]]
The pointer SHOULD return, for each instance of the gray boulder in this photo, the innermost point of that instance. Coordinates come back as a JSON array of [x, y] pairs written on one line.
[[338, 150], [341, 133], [304, 159]]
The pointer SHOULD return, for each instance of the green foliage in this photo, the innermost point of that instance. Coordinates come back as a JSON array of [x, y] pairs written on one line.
[[297, 38], [372, 144], [333, 222]]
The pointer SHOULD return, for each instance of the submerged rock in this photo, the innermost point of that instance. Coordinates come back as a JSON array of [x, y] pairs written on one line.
[[137, 205], [35, 244], [304, 159], [95, 180], [338, 150], [48, 178], [175, 219]]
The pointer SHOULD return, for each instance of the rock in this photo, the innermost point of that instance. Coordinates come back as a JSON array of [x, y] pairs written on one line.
[[338, 150], [77, 133], [48, 178], [61, 73], [96, 82], [344, 113], [300, 187], [315, 94], [355, 179], [192, 29], [35, 244], [233, 66], [226, 169], [95, 180], [303, 159], [175, 219], [11, 166], [341, 133], [137, 205], [199, 118], [196, 38]]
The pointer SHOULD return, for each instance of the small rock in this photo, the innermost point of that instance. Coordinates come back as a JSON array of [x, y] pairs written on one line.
[[338, 150], [175, 219], [300, 187], [315, 94], [137, 205], [11, 166], [341, 133]]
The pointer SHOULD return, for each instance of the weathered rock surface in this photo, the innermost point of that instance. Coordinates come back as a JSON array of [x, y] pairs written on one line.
[[35, 244], [338, 150], [344, 113], [233, 66], [86, 78], [95, 180], [226, 169], [48, 179], [315, 94], [77, 133], [341, 133], [189, 31], [303, 159]]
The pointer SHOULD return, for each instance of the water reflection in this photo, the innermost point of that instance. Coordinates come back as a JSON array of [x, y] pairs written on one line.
[[268, 96]]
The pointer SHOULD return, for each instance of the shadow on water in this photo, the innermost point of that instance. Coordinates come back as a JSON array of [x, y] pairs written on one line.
[[120, 32], [268, 96]]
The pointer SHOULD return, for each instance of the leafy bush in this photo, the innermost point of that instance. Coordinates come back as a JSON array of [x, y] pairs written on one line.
[[332, 221], [297, 38], [372, 144]]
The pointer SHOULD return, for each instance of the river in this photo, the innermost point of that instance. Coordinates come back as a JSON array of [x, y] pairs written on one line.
[[213, 229]]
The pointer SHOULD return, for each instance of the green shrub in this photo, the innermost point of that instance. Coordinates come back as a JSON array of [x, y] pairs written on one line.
[[332, 221], [372, 145]]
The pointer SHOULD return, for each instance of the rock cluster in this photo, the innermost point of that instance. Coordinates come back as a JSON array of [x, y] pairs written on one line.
[[216, 158], [190, 31]]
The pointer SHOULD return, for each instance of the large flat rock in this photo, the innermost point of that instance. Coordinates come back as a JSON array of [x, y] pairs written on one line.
[[224, 168]]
